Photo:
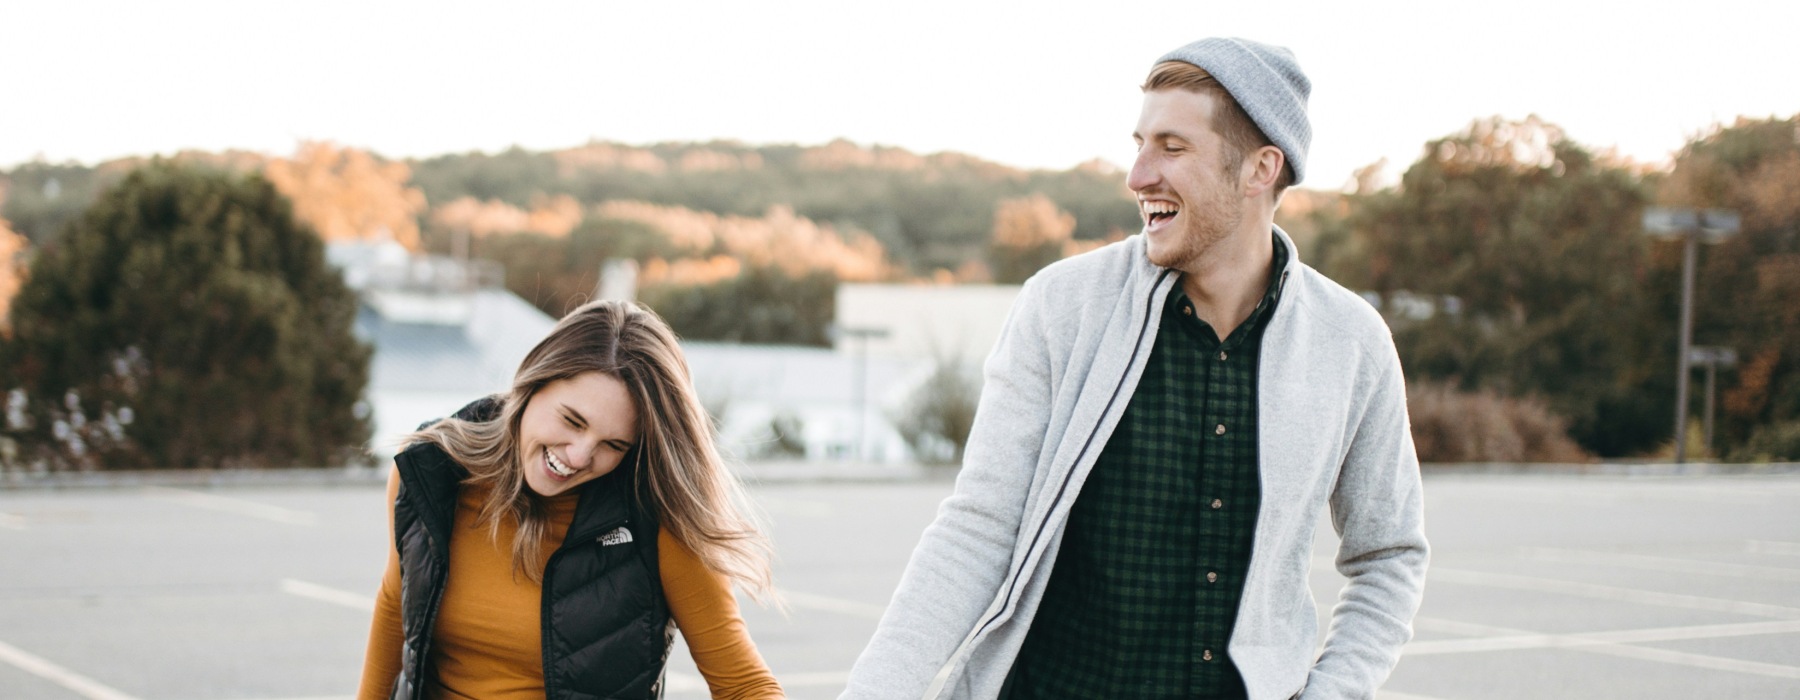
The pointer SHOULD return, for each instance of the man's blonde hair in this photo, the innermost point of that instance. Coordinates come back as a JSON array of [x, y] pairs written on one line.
[[1233, 124]]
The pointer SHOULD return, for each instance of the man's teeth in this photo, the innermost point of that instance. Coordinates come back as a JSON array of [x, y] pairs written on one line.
[[1154, 209], [556, 465]]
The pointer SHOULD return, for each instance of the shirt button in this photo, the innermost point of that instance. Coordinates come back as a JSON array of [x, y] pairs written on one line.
[[1219, 430], [1217, 504], [1212, 577], [1187, 310], [1206, 655], [1221, 355]]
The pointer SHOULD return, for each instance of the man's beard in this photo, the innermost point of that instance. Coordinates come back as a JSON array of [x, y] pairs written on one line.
[[1207, 223]]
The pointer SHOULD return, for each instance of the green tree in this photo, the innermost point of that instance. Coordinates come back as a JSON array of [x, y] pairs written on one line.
[[41, 198], [759, 305], [185, 320], [1510, 258]]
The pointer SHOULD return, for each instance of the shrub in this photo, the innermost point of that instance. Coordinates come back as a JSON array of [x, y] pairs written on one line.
[[937, 416], [1772, 443], [1452, 426]]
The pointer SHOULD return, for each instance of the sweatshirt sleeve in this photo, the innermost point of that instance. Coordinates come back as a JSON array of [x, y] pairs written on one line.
[[1378, 511], [705, 610], [381, 663]]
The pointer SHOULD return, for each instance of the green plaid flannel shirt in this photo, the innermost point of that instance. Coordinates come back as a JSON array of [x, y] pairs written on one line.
[[1151, 569]]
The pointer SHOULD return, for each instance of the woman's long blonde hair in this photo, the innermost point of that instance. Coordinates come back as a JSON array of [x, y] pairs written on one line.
[[676, 472]]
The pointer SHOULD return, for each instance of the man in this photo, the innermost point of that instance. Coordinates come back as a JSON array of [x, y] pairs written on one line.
[[1163, 423]]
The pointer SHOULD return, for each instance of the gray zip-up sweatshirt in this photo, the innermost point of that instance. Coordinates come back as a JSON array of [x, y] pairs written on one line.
[[1332, 408]]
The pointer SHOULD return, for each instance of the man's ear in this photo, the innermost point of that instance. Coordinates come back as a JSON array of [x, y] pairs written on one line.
[[1262, 169]]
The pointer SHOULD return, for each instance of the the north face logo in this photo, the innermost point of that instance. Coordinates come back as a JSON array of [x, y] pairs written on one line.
[[617, 536]]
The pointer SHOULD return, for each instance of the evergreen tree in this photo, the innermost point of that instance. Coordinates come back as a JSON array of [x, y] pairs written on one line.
[[184, 320]]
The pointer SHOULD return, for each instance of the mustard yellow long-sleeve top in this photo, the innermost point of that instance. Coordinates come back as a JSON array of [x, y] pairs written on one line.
[[488, 643]]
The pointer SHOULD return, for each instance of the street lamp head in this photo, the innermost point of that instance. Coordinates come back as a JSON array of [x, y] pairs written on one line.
[[1719, 224], [1670, 222], [1710, 226]]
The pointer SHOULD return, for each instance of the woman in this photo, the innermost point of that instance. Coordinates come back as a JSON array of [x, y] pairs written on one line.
[[548, 540]]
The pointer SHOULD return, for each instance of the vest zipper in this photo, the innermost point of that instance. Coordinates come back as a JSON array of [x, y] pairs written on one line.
[[544, 598]]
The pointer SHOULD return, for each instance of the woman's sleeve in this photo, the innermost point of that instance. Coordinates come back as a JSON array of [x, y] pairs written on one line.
[[707, 614], [381, 664]]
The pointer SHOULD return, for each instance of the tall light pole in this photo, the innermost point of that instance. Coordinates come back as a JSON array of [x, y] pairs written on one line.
[[1692, 227], [861, 335]]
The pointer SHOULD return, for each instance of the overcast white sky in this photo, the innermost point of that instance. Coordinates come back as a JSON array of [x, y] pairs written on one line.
[[1030, 84]]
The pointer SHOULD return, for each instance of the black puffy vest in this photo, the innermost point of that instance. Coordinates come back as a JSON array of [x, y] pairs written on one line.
[[606, 625]]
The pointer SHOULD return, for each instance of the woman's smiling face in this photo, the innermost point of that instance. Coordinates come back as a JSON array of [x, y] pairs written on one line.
[[575, 430]]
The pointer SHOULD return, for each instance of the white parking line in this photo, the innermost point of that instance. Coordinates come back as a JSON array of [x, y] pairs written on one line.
[[1613, 593], [1769, 547], [1665, 564], [1393, 695], [836, 605], [355, 601], [316, 697], [1713, 663], [236, 506], [1510, 640], [1610, 643], [38, 666], [684, 683]]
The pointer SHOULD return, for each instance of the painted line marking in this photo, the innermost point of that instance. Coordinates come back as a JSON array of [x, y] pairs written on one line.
[[354, 601], [1664, 564], [42, 668], [315, 697], [1393, 695], [1610, 593], [1713, 663], [1609, 643], [1772, 547], [1511, 640], [836, 605], [685, 683], [235, 506]]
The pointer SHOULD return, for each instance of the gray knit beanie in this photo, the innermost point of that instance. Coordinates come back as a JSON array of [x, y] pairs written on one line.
[[1266, 81]]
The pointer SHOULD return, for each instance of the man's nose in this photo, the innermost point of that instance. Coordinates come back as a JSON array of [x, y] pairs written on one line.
[[1143, 173]]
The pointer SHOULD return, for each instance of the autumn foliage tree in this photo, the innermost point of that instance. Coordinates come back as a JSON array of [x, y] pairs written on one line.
[[1747, 288], [184, 320], [347, 194], [1511, 259]]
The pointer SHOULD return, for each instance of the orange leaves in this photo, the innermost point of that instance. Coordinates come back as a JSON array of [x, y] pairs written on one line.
[[600, 155], [12, 268], [689, 272], [346, 194], [780, 239], [551, 216], [1028, 222]]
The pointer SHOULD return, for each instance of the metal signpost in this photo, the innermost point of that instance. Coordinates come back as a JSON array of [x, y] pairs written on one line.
[[1711, 358], [1692, 227], [861, 335]]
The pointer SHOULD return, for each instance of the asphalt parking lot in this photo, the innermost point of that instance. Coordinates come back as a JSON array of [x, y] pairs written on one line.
[[1541, 587]]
